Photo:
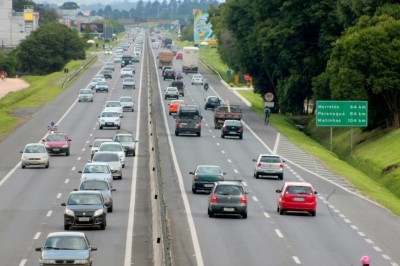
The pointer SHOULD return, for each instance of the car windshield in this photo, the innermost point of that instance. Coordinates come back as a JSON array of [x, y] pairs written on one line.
[[233, 123], [84, 199], [102, 83], [228, 190], [111, 147], [270, 159], [124, 138], [213, 99], [55, 137], [105, 157], [94, 185], [208, 170], [85, 92], [96, 169], [129, 80], [109, 114], [113, 104], [126, 100], [197, 76], [66, 243], [35, 149], [298, 190]]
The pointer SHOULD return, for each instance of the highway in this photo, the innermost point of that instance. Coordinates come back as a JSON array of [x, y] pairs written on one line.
[[346, 226]]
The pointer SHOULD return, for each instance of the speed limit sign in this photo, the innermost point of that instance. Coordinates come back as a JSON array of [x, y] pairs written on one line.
[[269, 97]]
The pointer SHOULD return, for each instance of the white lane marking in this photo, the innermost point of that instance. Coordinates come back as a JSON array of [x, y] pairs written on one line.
[[37, 235], [255, 198], [73, 168], [244, 183], [87, 141], [347, 221], [79, 158], [223, 151], [49, 213], [132, 202], [9, 174], [354, 227], [266, 215], [296, 260], [229, 160], [218, 144], [66, 181], [83, 149], [369, 241], [59, 195], [22, 263], [236, 171], [278, 138], [278, 233], [361, 234]]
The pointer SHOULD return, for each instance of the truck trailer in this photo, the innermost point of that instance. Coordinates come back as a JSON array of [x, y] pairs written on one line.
[[190, 60], [165, 58]]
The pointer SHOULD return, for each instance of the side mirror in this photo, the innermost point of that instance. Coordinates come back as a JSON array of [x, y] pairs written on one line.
[[93, 249], [114, 189], [192, 173], [38, 249], [254, 160], [21, 152], [278, 191], [224, 173], [43, 140], [63, 204], [315, 192]]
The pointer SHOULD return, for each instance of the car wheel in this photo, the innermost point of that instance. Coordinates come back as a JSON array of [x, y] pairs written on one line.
[[67, 153], [281, 211], [313, 213], [176, 133], [103, 225], [170, 113], [100, 127], [280, 176], [110, 209], [47, 165], [23, 166], [66, 226], [119, 127], [210, 214], [256, 175], [205, 108], [241, 137], [222, 136], [194, 191], [199, 134], [134, 153], [123, 166], [244, 215]]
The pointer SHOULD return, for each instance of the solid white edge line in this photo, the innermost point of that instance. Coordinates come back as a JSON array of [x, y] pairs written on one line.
[[278, 138]]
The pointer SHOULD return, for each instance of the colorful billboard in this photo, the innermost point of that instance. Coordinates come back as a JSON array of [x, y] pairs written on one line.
[[93, 27], [202, 30]]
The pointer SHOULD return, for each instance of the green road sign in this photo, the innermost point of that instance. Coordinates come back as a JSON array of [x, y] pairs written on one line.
[[342, 113]]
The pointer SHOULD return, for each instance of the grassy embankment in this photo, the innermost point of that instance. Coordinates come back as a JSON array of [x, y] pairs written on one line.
[[371, 164]]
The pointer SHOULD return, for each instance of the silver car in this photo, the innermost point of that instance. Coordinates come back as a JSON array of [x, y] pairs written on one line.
[[128, 83], [101, 185], [99, 170], [113, 161], [109, 119], [115, 147], [101, 86], [268, 165], [113, 106], [85, 95], [35, 154], [171, 92], [94, 147], [127, 103]]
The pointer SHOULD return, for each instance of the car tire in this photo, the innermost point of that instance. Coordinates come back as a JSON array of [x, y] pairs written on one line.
[[313, 213], [103, 225], [280, 177], [222, 136], [100, 127], [241, 137], [47, 165], [110, 209], [257, 175], [23, 166], [210, 214], [123, 166], [66, 226], [118, 127], [176, 133], [244, 215], [281, 211], [67, 153], [199, 134], [170, 113], [194, 191]]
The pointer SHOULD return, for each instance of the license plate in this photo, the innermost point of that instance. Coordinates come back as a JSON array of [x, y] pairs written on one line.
[[109, 124], [84, 219], [56, 149], [229, 209], [298, 199], [232, 132], [183, 124], [208, 185]]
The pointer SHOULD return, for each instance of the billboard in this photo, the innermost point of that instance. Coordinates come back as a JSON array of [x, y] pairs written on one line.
[[202, 30], [93, 27]]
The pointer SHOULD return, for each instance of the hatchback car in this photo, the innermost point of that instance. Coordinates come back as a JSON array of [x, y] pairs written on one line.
[[127, 141], [136, 58], [113, 106], [126, 72], [109, 119], [115, 147], [97, 170], [127, 103], [128, 83], [227, 197], [107, 74], [268, 165], [35, 154], [102, 185], [101, 86], [297, 196], [169, 74], [113, 161], [85, 95], [57, 142], [109, 66], [73, 248], [117, 59], [197, 79], [85, 208], [131, 67], [164, 68], [94, 81], [174, 105], [212, 102], [233, 128], [171, 92], [204, 176], [96, 144]]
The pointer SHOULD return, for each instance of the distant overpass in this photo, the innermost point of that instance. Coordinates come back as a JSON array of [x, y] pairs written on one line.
[[129, 21]]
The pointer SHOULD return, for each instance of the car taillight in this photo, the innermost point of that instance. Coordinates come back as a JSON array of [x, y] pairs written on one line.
[[281, 166], [224, 128], [259, 164], [214, 198], [177, 124], [198, 125], [241, 129], [244, 199]]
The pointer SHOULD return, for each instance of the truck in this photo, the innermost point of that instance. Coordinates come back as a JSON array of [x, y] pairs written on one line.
[[190, 60], [226, 112], [165, 58]]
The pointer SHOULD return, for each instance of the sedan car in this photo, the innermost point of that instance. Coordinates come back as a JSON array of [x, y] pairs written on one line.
[[204, 176], [212, 102], [127, 141], [136, 58], [109, 119], [107, 74], [109, 66], [70, 247], [98, 184], [108, 51], [35, 154], [127, 103], [101, 86], [113, 106], [85, 95], [171, 92], [97, 170], [85, 208], [233, 128], [94, 81], [197, 79], [118, 59], [128, 83], [94, 147], [298, 197], [169, 74], [126, 72], [114, 147], [268, 165], [174, 105], [227, 197], [113, 161], [57, 142]]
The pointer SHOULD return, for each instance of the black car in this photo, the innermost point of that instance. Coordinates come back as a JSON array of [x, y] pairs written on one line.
[[85, 208], [169, 74], [178, 84], [107, 74], [228, 197], [212, 102], [232, 128]]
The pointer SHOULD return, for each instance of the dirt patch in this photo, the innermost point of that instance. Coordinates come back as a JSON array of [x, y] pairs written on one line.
[[12, 84]]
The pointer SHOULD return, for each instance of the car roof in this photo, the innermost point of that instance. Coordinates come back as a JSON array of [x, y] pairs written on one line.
[[229, 182], [303, 184], [101, 139], [34, 144], [175, 88], [268, 154], [92, 192], [53, 234], [208, 165], [96, 163]]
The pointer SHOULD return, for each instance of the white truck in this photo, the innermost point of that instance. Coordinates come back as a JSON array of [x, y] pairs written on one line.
[[190, 60]]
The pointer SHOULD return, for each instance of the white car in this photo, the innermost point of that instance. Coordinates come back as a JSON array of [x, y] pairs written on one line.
[[85, 95], [171, 92], [109, 119], [108, 51], [127, 103], [114, 147], [113, 106], [113, 161], [96, 145], [197, 79], [35, 154], [94, 81], [126, 72], [96, 170]]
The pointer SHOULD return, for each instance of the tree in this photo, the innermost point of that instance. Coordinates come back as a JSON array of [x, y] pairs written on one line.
[[187, 33]]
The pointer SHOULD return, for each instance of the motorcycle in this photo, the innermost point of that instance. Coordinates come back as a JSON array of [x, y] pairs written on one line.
[[52, 128], [206, 86]]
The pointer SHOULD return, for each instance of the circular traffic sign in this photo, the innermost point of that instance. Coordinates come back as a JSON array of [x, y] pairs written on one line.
[[269, 97]]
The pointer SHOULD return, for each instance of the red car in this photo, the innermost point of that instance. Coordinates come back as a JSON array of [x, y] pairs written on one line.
[[57, 143], [297, 196], [179, 56]]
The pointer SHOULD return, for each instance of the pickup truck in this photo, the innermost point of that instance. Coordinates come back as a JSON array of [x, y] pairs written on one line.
[[226, 112]]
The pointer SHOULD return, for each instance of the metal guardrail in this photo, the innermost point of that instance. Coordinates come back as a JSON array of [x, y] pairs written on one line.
[[77, 71]]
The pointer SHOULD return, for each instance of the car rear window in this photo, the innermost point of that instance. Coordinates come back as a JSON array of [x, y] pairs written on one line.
[[298, 190], [269, 159]]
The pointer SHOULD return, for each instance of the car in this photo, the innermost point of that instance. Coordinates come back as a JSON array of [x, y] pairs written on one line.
[[71, 247], [102, 185], [108, 51], [113, 106], [101, 86], [212, 102], [297, 197], [85, 208], [204, 177], [96, 144], [107, 74], [227, 197], [179, 56], [136, 59], [129, 83], [169, 74], [85, 95], [127, 141], [109, 66], [232, 128], [114, 147], [35, 154], [197, 79], [127, 103], [118, 59], [171, 92], [179, 84], [96, 170], [109, 119], [165, 68], [269, 165], [94, 81], [57, 142], [131, 67], [113, 161], [174, 106], [126, 72]]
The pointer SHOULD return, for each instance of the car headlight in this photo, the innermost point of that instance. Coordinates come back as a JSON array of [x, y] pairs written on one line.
[[45, 157], [69, 212], [65, 146], [107, 199], [98, 212], [86, 261], [102, 120], [24, 158]]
